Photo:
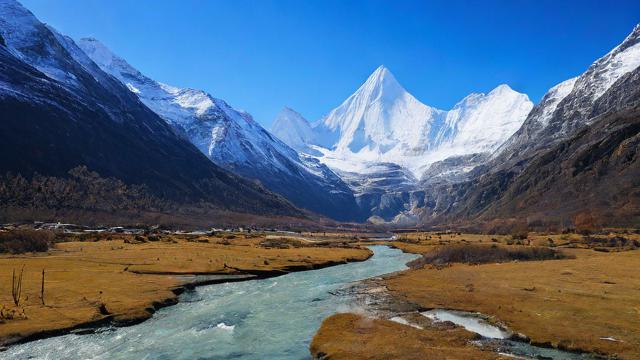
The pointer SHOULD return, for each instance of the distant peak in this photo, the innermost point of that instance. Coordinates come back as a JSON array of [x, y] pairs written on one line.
[[104, 57], [289, 113], [93, 42], [381, 69], [506, 90], [380, 73], [92, 45], [501, 89], [381, 83]]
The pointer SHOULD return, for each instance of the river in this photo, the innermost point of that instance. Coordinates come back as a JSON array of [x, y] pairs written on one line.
[[259, 319]]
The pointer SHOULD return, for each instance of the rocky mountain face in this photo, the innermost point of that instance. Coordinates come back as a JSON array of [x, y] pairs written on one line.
[[234, 140], [61, 112], [453, 169], [569, 106], [574, 160]]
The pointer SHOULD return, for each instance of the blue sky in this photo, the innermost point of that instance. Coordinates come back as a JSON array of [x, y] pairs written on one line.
[[261, 55]]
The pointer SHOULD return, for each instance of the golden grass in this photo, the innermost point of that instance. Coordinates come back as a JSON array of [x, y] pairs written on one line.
[[355, 337], [572, 304], [125, 278]]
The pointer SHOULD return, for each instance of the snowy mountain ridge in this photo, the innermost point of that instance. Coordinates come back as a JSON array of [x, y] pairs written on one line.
[[233, 139], [382, 122], [568, 106]]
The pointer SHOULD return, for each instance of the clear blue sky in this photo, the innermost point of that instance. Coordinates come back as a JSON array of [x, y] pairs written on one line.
[[260, 55]]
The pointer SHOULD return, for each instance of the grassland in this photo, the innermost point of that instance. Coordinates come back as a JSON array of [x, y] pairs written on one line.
[[93, 279], [589, 301]]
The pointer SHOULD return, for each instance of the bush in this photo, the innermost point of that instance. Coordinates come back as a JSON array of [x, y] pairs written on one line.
[[282, 243], [22, 241], [476, 254], [519, 235]]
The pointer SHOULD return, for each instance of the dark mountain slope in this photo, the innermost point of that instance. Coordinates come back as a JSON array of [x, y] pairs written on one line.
[[56, 121], [232, 139]]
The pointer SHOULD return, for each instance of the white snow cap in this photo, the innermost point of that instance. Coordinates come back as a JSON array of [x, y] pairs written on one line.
[[622, 59], [481, 123], [380, 115], [382, 122]]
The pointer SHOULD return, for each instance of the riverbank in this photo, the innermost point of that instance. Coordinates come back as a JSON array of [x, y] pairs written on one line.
[[584, 304], [355, 337], [123, 278]]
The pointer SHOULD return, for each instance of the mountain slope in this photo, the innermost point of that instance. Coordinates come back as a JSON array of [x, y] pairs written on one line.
[[569, 106], [233, 140], [59, 114], [592, 174]]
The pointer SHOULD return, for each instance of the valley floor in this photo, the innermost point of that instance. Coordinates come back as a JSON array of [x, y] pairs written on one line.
[[122, 278], [588, 302]]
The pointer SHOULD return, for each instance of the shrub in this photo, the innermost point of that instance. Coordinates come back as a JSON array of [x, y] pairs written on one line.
[[154, 237], [282, 243], [519, 235], [476, 254], [22, 241]]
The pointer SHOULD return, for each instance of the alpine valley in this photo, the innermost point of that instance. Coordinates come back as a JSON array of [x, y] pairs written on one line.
[[382, 156], [142, 220]]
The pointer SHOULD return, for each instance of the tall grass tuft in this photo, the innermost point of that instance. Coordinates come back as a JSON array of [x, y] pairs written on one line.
[[16, 286]]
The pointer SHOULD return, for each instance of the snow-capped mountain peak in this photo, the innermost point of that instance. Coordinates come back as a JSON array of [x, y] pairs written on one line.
[[293, 129], [379, 116], [33, 42], [18, 25], [381, 86], [179, 106], [619, 61], [382, 122], [480, 123], [150, 91]]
